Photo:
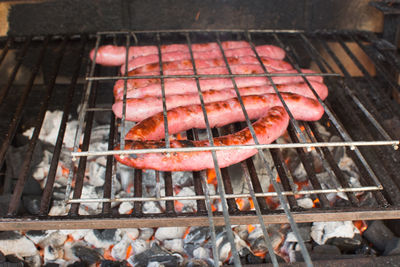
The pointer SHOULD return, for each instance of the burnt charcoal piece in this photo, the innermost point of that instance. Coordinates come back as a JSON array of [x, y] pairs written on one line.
[[108, 263], [378, 234], [86, 255], [31, 204], [199, 263], [327, 249], [13, 259], [79, 264], [268, 258], [394, 226], [2, 257], [106, 234], [392, 247], [51, 264], [32, 187], [157, 254], [346, 245]]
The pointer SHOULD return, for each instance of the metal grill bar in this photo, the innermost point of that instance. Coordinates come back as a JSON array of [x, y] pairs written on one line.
[[123, 131], [5, 49], [221, 189], [47, 192], [351, 144], [14, 72], [107, 78], [80, 173], [108, 179]]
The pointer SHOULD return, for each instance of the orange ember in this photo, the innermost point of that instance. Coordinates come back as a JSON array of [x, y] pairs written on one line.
[[316, 203], [186, 232], [260, 254], [211, 177], [361, 226], [178, 206], [107, 254], [69, 239], [179, 136], [250, 228], [128, 252]]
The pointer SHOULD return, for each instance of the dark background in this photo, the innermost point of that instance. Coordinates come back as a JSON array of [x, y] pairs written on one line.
[[74, 16]]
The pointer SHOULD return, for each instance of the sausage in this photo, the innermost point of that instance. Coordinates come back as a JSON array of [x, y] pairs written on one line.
[[110, 55], [267, 129], [222, 113], [263, 51], [188, 85], [207, 63], [236, 69], [138, 109]]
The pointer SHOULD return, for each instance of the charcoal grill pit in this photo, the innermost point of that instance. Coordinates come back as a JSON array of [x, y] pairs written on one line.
[[355, 111]]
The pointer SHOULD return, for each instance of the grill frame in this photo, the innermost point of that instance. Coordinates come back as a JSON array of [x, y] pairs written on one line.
[[387, 201]]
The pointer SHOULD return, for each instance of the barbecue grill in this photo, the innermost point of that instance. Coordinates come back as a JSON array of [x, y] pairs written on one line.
[[361, 110]]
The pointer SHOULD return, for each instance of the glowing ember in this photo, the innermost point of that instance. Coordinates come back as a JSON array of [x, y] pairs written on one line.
[[361, 226]]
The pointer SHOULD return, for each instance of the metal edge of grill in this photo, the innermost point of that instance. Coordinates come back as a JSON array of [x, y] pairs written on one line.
[[378, 175]]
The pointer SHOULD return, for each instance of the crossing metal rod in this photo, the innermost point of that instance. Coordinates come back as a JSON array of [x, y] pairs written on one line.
[[220, 186]]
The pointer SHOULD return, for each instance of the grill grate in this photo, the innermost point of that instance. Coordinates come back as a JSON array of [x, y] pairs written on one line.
[[355, 111]]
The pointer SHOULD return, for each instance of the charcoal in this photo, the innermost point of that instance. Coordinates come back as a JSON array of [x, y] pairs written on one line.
[[32, 204], [197, 235], [394, 226], [14, 243], [51, 264], [108, 263], [346, 245], [157, 254], [103, 238], [78, 264], [199, 263], [392, 247], [13, 259], [163, 233], [2, 257], [326, 249], [32, 187], [278, 258], [378, 234], [86, 254]]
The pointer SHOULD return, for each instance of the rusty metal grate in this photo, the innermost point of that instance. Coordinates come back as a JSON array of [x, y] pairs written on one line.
[[354, 111]]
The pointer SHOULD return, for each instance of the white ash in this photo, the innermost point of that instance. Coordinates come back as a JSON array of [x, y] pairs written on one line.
[[103, 238], [126, 175], [132, 233], [163, 233], [59, 208], [37, 236], [97, 173], [89, 192], [69, 255], [188, 205], [224, 246], [139, 246], [125, 207], [322, 231], [305, 203], [51, 253], [238, 180], [76, 234], [50, 126], [182, 179], [201, 253], [146, 233], [262, 172], [119, 250], [152, 207], [12, 242], [55, 239], [257, 240], [174, 245]]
